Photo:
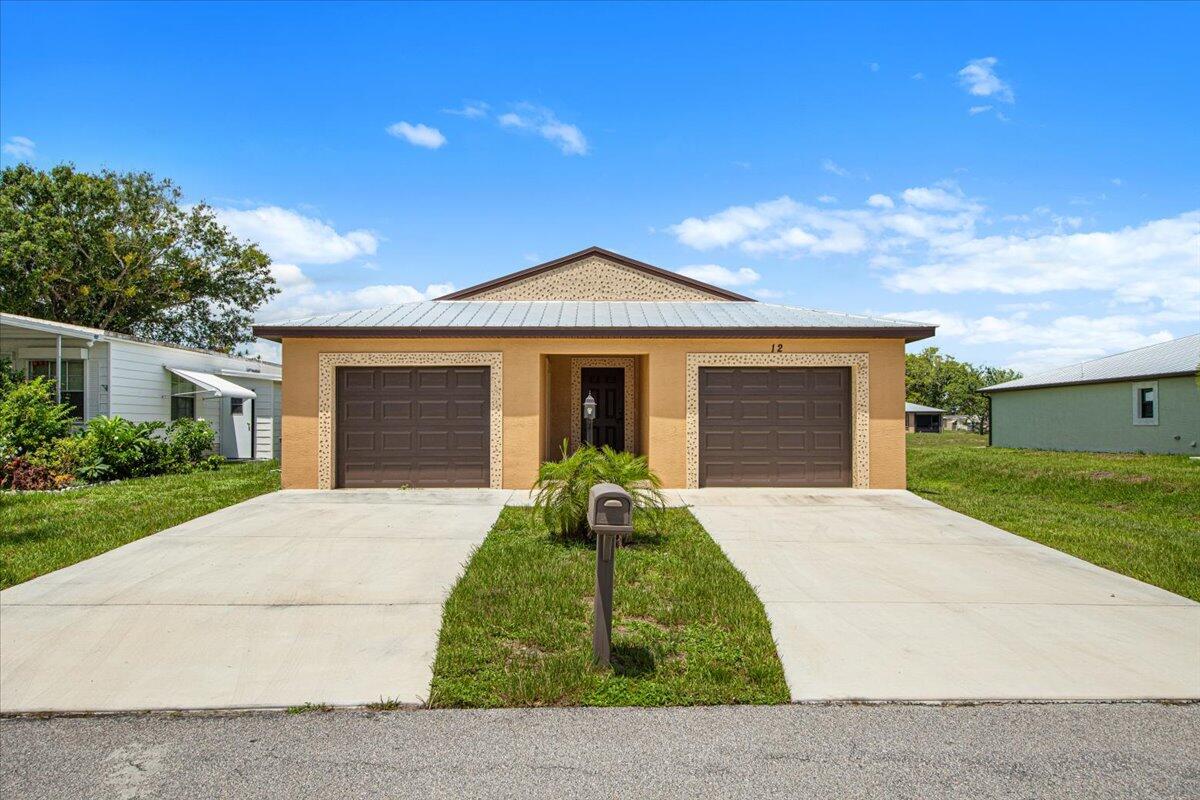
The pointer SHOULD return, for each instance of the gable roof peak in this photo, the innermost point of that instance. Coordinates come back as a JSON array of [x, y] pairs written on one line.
[[599, 252]]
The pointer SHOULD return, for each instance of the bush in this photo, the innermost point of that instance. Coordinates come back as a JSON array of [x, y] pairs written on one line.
[[29, 417], [563, 486], [23, 474], [190, 439], [74, 457]]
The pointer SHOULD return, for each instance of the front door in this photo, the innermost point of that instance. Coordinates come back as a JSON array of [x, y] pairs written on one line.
[[241, 419], [607, 386]]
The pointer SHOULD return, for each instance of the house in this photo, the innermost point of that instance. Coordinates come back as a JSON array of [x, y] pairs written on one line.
[[113, 374], [922, 419], [961, 422], [478, 387], [1145, 400]]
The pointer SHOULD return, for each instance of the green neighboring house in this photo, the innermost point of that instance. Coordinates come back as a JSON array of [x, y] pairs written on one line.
[[1146, 400]]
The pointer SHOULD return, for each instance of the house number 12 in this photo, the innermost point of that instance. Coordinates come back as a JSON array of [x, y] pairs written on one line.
[[776, 348]]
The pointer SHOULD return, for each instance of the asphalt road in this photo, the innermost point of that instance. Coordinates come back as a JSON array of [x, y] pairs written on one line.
[[1009, 751]]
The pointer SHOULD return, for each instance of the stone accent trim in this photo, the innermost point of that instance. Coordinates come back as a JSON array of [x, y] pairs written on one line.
[[629, 364], [594, 278], [860, 401], [327, 382]]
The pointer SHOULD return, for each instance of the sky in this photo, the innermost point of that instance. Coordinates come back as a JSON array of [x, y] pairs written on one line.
[[1026, 176]]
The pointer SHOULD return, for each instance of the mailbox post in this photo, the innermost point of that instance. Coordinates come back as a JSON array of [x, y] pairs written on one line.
[[610, 515]]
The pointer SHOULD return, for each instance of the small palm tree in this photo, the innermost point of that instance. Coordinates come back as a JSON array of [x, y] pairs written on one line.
[[562, 486]]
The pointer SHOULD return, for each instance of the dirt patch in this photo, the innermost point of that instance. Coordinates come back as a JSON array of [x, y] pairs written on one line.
[[1103, 474], [524, 651]]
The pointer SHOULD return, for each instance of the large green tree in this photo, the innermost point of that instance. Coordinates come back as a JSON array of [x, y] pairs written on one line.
[[942, 381], [121, 251]]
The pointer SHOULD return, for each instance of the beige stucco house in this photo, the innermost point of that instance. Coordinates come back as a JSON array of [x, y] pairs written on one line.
[[478, 387]]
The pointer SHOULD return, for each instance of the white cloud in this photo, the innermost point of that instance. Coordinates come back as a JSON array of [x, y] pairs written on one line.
[[1116, 181], [720, 276], [930, 245], [300, 296], [470, 110], [419, 134], [918, 76], [979, 78], [543, 122], [880, 201], [20, 148], [936, 199], [1042, 345], [829, 165], [973, 110], [827, 198], [291, 237], [767, 294], [1156, 261]]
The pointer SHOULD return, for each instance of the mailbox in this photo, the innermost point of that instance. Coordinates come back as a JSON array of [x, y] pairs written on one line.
[[610, 509], [610, 516]]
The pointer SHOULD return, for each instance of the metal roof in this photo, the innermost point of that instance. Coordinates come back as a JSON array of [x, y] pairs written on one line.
[[630, 316], [920, 409], [84, 332], [1177, 357]]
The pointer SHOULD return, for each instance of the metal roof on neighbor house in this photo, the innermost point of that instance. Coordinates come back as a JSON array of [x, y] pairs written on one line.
[[1177, 357], [579, 317], [920, 409]]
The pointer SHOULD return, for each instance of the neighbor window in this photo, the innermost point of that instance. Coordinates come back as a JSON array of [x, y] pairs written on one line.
[[1145, 403], [235, 405], [72, 384], [183, 399]]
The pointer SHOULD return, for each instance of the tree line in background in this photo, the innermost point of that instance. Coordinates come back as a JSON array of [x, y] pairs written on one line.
[[944, 382], [122, 251]]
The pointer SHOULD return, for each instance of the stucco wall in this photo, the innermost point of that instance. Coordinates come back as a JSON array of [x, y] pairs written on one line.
[[1098, 417], [661, 373], [594, 278]]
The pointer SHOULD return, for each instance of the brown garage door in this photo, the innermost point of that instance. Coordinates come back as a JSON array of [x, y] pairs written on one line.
[[775, 427], [412, 426]]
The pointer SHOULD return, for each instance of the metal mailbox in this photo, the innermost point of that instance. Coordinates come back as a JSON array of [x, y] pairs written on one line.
[[610, 509], [609, 514]]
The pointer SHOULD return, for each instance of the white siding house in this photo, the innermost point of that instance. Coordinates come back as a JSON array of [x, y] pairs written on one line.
[[113, 374]]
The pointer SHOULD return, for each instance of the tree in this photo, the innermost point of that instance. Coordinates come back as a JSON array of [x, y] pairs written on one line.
[[121, 251], [945, 382]]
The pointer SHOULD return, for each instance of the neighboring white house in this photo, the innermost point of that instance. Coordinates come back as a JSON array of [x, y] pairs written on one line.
[[113, 374]]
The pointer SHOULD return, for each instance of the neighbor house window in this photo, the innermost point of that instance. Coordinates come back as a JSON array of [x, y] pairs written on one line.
[[235, 405], [1145, 403], [72, 384], [183, 399]]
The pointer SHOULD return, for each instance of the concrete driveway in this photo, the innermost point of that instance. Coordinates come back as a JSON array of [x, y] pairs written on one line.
[[289, 598], [881, 595]]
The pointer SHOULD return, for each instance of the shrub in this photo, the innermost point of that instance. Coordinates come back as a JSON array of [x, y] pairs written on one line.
[[29, 417], [23, 474], [562, 486], [130, 449], [190, 439], [76, 456]]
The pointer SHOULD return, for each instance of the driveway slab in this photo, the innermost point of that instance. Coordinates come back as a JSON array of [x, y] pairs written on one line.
[[882, 595], [289, 598]]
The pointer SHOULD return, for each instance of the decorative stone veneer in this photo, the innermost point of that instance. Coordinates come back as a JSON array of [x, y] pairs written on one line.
[[327, 383], [629, 364], [594, 278], [860, 401]]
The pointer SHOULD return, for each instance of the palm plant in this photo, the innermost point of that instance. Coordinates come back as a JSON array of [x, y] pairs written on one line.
[[562, 486]]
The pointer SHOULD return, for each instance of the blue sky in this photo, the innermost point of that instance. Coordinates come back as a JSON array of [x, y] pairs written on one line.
[[1027, 176]]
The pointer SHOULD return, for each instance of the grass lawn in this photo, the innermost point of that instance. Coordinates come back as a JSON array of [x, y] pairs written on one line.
[[44, 531], [1131, 513], [687, 628]]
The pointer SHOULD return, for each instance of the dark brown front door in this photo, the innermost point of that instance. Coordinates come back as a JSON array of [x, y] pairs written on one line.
[[775, 427], [607, 385], [412, 426]]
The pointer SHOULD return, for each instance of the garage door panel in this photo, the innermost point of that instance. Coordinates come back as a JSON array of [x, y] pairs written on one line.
[[413, 426], [774, 426]]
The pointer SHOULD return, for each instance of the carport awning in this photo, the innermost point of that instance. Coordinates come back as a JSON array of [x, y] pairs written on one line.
[[212, 383]]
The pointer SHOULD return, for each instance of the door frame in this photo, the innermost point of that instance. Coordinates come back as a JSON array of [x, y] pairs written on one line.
[[627, 363], [860, 401], [328, 363]]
